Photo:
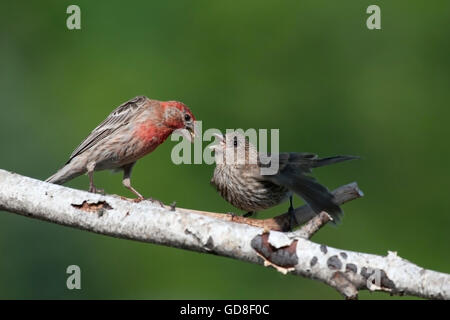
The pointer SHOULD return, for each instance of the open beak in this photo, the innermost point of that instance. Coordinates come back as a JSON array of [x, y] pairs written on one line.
[[221, 143], [191, 129]]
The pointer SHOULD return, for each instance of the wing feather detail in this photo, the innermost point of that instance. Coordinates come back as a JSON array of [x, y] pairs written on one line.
[[118, 118]]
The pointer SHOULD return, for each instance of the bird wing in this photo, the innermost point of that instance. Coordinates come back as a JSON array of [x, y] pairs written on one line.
[[317, 196], [305, 162], [293, 174], [119, 117], [302, 160]]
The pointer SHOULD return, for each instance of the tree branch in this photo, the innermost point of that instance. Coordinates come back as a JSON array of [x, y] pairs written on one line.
[[283, 222], [346, 271]]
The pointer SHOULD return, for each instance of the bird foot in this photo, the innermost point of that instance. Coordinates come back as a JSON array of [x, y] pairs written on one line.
[[232, 215], [93, 189], [136, 200], [155, 200], [173, 205]]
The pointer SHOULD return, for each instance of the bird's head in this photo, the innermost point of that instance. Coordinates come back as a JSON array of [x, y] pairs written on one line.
[[177, 115], [234, 148]]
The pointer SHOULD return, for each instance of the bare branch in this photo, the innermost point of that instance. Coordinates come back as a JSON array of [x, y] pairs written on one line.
[[282, 222], [312, 226], [344, 270]]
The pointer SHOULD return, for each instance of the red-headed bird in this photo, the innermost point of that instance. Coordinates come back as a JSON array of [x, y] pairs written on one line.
[[131, 131]]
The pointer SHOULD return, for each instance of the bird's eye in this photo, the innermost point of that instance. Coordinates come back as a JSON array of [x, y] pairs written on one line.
[[235, 142], [187, 117]]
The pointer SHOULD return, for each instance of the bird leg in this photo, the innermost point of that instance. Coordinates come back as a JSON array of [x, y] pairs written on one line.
[[232, 215], [292, 219], [126, 181], [90, 171], [248, 214], [127, 184]]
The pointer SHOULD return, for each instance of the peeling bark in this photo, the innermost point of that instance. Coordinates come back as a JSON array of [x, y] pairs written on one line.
[[93, 207], [215, 233], [283, 256]]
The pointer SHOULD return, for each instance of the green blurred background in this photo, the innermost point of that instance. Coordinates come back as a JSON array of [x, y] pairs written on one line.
[[310, 68]]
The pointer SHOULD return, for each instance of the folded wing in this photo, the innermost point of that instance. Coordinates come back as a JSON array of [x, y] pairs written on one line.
[[121, 116]]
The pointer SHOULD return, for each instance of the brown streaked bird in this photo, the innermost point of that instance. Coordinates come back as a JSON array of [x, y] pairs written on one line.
[[131, 131], [241, 182]]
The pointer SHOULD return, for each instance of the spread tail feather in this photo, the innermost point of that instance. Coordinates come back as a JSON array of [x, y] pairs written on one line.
[[318, 197], [294, 168]]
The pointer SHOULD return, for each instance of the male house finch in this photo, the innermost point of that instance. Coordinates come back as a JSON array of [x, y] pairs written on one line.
[[131, 131], [242, 183]]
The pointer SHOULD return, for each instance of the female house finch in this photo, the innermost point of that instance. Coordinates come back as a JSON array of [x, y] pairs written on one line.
[[242, 183], [130, 132]]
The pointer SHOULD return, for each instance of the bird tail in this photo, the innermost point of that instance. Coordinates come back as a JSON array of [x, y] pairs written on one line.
[[294, 177], [331, 160], [66, 173], [317, 196]]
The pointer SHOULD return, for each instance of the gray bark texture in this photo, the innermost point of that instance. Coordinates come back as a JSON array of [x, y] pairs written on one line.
[[249, 240]]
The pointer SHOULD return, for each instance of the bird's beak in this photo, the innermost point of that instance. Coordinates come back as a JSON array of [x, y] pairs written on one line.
[[221, 140], [191, 129]]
